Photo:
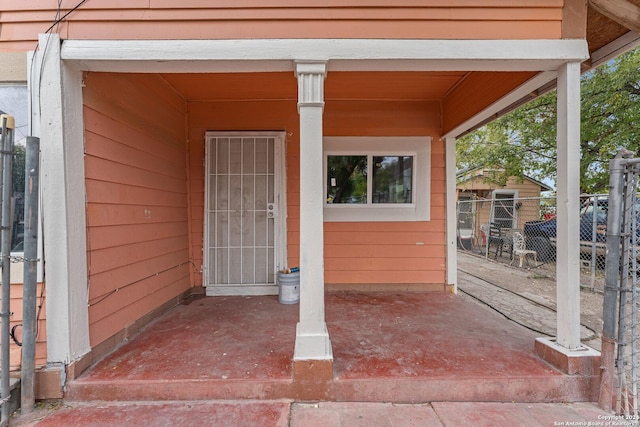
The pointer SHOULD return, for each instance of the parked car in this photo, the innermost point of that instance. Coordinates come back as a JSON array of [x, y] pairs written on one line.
[[541, 235]]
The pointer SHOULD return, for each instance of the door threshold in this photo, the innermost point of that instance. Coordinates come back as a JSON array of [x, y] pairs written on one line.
[[242, 290]]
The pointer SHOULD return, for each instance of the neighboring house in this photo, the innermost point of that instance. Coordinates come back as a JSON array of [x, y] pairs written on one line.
[[482, 200], [189, 147]]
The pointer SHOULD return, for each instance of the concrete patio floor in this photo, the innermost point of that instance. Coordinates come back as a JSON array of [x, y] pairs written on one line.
[[324, 414], [400, 359], [400, 348]]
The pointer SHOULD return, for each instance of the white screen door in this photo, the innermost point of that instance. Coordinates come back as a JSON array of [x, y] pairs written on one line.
[[243, 213]]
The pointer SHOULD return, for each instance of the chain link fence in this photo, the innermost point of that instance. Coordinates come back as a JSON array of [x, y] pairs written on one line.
[[522, 232], [621, 371]]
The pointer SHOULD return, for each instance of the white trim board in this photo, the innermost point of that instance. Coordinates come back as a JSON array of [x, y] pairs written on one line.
[[251, 290], [451, 215], [249, 55], [57, 118]]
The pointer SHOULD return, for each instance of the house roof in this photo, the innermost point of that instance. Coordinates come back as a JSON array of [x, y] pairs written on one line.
[[480, 172]]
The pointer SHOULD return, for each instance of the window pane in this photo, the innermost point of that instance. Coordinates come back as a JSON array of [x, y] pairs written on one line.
[[347, 179], [392, 179], [14, 101]]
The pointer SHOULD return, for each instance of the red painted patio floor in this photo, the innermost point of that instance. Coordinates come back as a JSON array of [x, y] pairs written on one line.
[[403, 348], [324, 414]]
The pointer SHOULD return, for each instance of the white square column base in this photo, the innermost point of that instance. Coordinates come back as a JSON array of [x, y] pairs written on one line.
[[312, 343]]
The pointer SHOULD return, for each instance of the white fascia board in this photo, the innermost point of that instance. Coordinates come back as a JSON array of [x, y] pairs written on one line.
[[341, 54], [524, 90]]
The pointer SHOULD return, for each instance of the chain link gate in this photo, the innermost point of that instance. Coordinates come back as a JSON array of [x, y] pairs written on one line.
[[620, 369]]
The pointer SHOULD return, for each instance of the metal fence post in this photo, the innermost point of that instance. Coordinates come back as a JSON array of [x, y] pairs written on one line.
[[6, 143], [634, 292], [29, 325], [491, 219], [612, 275], [594, 239], [624, 289]]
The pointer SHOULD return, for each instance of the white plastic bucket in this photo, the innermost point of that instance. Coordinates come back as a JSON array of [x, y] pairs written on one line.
[[289, 287]]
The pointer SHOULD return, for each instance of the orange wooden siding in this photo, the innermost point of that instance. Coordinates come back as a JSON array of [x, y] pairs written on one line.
[[229, 19], [395, 245], [237, 116], [15, 351], [355, 253], [137, 198]]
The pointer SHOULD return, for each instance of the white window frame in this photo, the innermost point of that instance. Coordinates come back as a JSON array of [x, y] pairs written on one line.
[[417, 147]]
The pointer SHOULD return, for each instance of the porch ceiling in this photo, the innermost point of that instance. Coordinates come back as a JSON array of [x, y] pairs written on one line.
[[431, 86], [602, 30]]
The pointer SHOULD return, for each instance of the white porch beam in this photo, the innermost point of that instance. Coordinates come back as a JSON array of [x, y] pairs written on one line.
[[197, 56], [568, 227], [312, 336], [57, 120], [452, 253]]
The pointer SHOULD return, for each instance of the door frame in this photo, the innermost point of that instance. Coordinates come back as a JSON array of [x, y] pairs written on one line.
[[280, 223]]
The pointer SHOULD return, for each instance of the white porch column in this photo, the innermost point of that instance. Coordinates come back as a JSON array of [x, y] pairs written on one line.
[[568, 226], [57, 120], [452, 254], [312, 337]]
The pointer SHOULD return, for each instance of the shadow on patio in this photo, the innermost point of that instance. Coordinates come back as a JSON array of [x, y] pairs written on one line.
[[394, 347]]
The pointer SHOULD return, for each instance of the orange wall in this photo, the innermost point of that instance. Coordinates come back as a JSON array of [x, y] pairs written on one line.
[[236, 116], [355, 253], [15, 351], [137, 199], [386, 252], [229, 19]]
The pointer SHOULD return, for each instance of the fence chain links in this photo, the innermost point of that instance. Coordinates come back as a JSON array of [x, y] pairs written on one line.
[[486, 226]]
